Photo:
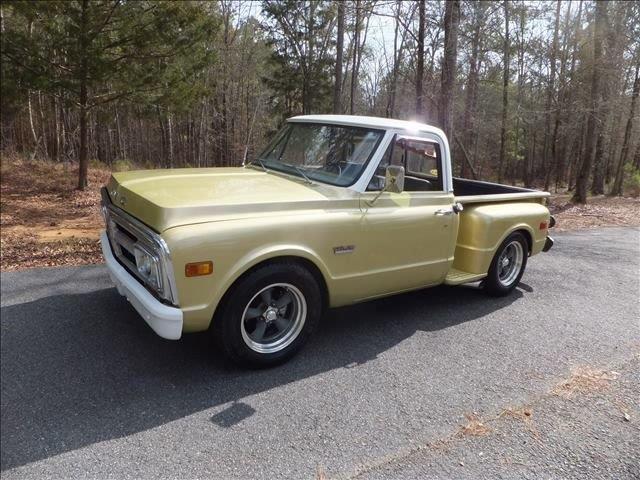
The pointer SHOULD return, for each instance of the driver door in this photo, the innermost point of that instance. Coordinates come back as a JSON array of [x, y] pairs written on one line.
[[409, 235]]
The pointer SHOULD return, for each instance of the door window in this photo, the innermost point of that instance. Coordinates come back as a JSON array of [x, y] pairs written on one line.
[[422, 164]]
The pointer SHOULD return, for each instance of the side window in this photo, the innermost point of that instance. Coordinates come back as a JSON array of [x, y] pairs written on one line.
[[422, 163]]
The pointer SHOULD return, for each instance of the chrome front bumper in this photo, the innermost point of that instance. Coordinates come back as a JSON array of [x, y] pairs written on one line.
[[166, 321]]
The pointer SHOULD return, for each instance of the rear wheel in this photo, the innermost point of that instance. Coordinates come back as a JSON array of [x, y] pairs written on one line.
[[268, 315], [507, 266]]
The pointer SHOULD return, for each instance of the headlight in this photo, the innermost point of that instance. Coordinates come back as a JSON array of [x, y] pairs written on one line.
[[147, 266]]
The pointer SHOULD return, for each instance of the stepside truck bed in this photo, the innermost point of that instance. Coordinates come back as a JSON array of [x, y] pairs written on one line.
[[474, 191]]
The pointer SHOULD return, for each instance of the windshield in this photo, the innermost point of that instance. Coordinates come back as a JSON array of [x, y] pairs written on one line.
[[325, 153]]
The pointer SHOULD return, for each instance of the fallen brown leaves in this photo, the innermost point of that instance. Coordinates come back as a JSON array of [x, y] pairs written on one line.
[[584, 380], [474, 427], [44, 221], [523, 414], [600, 211]]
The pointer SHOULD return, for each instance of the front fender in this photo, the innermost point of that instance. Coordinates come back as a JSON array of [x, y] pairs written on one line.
[[234, 250], [273, 252]]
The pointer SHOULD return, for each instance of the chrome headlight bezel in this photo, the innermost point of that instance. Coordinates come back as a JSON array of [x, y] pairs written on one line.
[[149, 242]]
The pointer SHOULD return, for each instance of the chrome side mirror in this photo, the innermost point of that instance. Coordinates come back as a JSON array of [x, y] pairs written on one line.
[[394, 179]]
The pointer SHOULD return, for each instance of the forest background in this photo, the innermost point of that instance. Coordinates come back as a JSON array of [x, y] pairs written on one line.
[[539, 93]]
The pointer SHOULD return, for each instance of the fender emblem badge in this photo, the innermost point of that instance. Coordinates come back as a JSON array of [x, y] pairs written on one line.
[[343, 249]]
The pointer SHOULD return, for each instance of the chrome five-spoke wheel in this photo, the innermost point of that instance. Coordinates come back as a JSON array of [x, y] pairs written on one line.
[[273, 318], [268, 314], [507, 266], [510, 263]]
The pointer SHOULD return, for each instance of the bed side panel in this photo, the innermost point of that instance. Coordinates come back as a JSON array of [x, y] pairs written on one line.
[[484, 227]]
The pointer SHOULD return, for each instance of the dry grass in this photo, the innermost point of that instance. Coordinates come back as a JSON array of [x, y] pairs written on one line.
[[584, 380], [44, 221]]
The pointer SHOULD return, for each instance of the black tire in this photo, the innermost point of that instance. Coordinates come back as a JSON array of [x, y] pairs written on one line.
[[229, 326], [498, 283]]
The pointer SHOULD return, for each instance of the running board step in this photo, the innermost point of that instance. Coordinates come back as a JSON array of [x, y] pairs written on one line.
[[458, 277]]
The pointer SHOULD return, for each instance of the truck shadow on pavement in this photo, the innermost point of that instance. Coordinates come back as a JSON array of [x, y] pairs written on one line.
[[84, 368]]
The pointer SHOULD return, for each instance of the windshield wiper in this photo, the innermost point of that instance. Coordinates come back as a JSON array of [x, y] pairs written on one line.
[[300, 171], [259, 162]]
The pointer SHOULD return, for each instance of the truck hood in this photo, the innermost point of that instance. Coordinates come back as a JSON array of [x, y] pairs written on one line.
[[169, 198]]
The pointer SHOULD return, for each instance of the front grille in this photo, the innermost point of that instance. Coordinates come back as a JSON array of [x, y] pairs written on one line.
[[123, 241], [127, 233]]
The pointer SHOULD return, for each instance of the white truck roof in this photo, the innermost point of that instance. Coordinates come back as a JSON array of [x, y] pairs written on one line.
[[372, 122]]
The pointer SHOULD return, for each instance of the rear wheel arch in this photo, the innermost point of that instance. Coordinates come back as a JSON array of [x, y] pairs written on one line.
[[527, 235]]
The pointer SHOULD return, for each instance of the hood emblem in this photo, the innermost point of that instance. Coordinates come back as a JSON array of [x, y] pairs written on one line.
[[123, 201]]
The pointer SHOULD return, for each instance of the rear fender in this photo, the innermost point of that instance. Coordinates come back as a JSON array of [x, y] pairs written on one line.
[[484, 227]]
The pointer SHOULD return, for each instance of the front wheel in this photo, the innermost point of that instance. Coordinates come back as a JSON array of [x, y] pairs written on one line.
[[507, 266], [268, 315]]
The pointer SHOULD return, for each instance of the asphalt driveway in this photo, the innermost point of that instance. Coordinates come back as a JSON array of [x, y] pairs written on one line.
[[89, 391]]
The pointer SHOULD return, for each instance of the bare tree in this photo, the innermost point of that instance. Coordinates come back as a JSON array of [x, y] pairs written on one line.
[[617, 185], [580, 195], [337, 88], [451, 20], [471, 91], [505, 93], [420, 59], [549, 143]]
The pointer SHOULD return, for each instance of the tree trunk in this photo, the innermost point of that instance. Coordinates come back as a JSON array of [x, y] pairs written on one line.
[[355, 61], [505, 93], [549, 143], [558, 159], [451, 20], [393, 84], [612, 60], [83, 159], [170, 134], [521, 53], [617, 185], [582, 180], [471, 98], [337, 88], [420, 61]]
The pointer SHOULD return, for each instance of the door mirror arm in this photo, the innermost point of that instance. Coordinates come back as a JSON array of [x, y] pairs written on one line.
[[393, 182]]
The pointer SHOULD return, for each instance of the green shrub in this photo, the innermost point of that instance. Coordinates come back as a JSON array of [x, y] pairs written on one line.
[[122, 165], [631, 185]]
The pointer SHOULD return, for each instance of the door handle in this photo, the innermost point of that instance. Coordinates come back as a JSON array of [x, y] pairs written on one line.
[[443, 211]]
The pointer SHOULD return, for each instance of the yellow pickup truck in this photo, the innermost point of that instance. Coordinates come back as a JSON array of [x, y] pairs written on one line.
[[336, 210]]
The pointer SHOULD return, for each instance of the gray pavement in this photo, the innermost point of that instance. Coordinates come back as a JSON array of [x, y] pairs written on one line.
[[89, 391]]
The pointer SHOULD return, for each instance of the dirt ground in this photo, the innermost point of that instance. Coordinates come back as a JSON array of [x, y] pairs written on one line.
[[45, 222]]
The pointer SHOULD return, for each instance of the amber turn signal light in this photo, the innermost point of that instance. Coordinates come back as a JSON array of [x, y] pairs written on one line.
[[198, 269]]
